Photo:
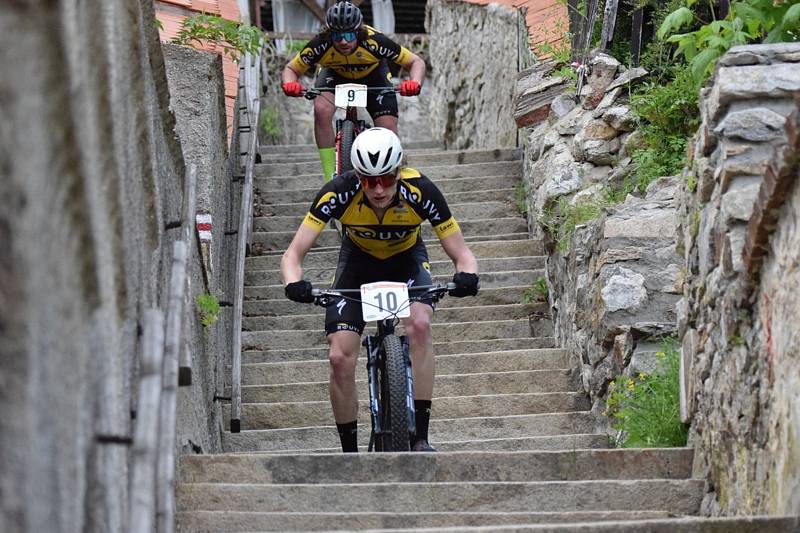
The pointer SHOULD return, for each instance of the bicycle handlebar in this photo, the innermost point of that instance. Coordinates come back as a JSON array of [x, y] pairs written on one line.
[[324, 297], [313, 92]]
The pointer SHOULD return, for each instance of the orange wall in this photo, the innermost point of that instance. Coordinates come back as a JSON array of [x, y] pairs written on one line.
[[171, 14], [547, 20]]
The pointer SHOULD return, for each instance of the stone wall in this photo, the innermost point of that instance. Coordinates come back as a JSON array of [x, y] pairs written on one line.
[[474, 51], [738, 315], [612, 279], [92, 176]]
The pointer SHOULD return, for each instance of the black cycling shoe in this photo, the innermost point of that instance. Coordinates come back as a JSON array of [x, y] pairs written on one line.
[[422, 446]]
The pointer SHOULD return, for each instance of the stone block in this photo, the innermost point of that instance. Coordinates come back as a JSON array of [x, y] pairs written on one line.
[[624, 290], [656, 223], [755, 124], [761, 54], [750, 82], [627, 77], [643, 359], [560, 106], [689, 345], [571, 123], [737, 202], [604, 70], [620, 118], [607, 102]]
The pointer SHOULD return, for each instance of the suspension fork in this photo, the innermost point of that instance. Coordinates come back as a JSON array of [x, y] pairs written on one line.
[[373, 347], [412, 414]]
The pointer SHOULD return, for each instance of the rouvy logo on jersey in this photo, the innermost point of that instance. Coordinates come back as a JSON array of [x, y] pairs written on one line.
[[382, 235], [433, 212], [331, 200]]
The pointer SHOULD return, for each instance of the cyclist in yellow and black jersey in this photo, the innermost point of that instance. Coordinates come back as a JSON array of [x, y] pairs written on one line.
[[381, 208], [348, 51]]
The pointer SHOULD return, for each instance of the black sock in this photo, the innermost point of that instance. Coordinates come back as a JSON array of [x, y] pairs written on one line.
[[423, 418], [348, 434]]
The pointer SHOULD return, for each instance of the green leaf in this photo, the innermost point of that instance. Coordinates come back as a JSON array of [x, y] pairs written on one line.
[[674, 21], [792, 17], [703, 61]]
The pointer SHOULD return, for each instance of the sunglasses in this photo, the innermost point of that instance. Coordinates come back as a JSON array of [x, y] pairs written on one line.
[[370, 182], [348, 36]]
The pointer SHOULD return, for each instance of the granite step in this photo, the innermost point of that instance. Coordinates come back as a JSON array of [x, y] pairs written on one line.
[[293, 149], [542, 361], [441, 430], [462, 211], [569, 465], [320, 352], [487, 193], [276, 181]]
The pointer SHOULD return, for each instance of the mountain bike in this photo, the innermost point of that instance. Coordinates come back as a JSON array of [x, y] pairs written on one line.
[[389, 376], [350, 97]]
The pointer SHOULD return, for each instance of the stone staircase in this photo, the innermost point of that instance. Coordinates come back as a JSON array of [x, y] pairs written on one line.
[[517, 444]]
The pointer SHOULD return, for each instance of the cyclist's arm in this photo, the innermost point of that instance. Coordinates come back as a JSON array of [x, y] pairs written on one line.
[[401, 55], [415, 67], [289, 75], [457, 250], [292, 260]]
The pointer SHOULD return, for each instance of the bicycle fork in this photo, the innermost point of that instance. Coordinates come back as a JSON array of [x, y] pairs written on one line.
[[374, 362]]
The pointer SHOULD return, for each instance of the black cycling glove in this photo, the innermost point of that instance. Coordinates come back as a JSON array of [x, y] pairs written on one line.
[[467, 284], [299, 291]]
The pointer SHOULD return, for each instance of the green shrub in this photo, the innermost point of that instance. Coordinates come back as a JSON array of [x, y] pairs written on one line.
[[234, 38], [747, 21], [538, 292], [521, 197], [268, 122], [646, 409], [208, 309], [668, 115]]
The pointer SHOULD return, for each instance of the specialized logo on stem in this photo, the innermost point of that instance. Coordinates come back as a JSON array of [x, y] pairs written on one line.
[[340, 305]]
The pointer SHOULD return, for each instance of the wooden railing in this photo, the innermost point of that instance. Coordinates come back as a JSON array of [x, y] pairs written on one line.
[[251, 82]]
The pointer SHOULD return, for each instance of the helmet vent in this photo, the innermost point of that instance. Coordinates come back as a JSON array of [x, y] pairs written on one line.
[[373, 158]]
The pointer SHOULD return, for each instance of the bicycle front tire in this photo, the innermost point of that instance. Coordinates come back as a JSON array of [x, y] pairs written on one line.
[[397, 417], [346, 145]]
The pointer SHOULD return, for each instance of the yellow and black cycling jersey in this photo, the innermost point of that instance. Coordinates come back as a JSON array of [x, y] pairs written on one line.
[[417, 200], [373, 47]]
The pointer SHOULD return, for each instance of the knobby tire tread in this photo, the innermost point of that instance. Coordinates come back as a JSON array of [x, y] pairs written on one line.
[[346, 145], [397, 416]]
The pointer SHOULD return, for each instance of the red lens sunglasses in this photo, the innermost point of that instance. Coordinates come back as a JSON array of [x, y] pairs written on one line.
[[370, 182]]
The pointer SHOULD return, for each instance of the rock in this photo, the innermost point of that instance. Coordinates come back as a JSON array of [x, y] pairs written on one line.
[[620, 118], [644, 359], [624, 291], [737, 202], [633, 142], [627, 77], [560, 106], [662, 189], [755, 124], [656, 223], [596, 142], [607, 102], [590, 195], [598, 129], [750, 82], [767, 54], [572, 122], [604, 69]]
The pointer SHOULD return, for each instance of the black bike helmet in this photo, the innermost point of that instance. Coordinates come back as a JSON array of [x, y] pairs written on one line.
[[344, 16]]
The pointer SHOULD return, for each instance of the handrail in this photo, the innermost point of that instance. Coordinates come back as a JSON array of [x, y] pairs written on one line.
[[251, 83]]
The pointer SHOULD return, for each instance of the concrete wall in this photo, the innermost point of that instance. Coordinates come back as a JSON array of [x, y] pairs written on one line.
[[474, 52], [92, 172], [738, 316]]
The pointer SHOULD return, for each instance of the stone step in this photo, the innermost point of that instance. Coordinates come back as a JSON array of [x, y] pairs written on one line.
[[453, 314], [544, 361], [488, 193], [292, 149], [285, 354], [681, 524], [518, 444], [325, 273], [278, 241], [466, 211], [568, 465], [313, 156], [510, 222], [675, 496], [458, 331], [418, 160], [514, 382], [488, 296], [296, 414], [278, 181], [441, 430], [486, 249], [514, 278], [231, 521]]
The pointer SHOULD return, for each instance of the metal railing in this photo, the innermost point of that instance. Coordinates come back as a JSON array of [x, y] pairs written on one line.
[[152, 493], [251, 83]]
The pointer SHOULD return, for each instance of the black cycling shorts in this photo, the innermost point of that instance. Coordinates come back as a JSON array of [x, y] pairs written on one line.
[[357, 267], [378, 105]]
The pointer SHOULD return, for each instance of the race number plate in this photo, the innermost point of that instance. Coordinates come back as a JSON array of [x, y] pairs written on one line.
[[351, 94], [383, 299]]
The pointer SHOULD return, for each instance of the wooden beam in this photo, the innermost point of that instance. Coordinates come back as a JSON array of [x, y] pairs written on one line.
[[636, 35], [609, 21], [314, 9]]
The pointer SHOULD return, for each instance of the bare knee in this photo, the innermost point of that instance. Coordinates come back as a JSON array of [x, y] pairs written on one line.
[[418, 327]]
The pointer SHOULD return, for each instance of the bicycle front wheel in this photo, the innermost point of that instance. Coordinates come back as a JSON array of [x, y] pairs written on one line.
[[396, 418], [345, 146]]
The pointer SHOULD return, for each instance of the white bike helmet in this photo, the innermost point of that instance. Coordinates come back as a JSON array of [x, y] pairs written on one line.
[[376, 151]]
